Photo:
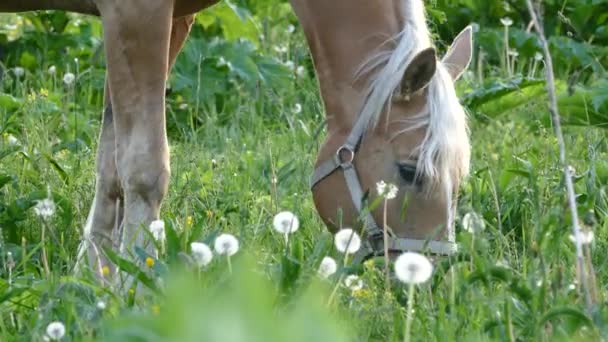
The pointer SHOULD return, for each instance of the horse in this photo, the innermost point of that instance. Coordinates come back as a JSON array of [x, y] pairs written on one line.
[[392, 115]]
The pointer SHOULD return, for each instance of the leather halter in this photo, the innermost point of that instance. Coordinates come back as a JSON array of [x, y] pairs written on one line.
[[374, 243]]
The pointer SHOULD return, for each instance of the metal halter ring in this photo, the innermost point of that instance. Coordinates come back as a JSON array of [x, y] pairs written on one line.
[[344, 163]]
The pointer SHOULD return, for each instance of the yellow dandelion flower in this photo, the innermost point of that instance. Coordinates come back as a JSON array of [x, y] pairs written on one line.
[[105, 271], [362, 293], [189, 221], [149, 262], [131, 292], [156, 309], [44, 92]]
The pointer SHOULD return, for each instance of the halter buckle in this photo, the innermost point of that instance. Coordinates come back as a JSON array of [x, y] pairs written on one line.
[[345, 156]]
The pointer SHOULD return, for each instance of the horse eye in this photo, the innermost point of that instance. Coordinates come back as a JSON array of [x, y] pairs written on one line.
[[407, 171]]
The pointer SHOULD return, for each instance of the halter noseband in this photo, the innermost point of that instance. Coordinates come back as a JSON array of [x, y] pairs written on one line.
[[374, 243]]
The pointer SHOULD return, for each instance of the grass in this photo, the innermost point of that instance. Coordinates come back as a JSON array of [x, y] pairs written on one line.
[[515, 280]]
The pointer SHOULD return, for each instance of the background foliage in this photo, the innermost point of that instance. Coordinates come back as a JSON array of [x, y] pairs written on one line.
[[244, 109]]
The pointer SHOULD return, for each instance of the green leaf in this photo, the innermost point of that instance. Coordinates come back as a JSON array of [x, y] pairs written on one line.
[[566, 312], [131, 269]]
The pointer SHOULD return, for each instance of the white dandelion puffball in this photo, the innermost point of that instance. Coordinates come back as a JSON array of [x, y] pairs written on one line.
[[347, 241], [19, 72], [157, 228], [413, 268], [52, 70], [386, 190], [226, 244], [201, 253], [586, 237], [55, 330], [45, 208], [290, 28], [327, 267], [69, 78], [101, 305], [506, 21], [301, 71], [353, 282], [286, 222], [473, 223]]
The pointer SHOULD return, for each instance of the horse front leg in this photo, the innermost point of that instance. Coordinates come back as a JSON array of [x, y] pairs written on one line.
[[137, 35]]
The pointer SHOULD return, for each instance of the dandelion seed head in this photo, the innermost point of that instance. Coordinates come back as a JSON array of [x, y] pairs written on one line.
[[286, 222], [45, 208], [101, 305], [201, 253], [353, 282], [506, 21], [157, 228], [301, 71], [55, 330], [226, 244], [413, 268], [52, 70], [290, 28], [473, 223], [347, 241], [19, 72], [327, 267], [387, 190], [69, 78]]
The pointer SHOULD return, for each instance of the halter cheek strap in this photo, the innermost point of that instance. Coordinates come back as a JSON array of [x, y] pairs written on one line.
[[374, 243]]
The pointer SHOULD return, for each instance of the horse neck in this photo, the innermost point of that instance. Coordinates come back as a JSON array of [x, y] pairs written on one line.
[[343, 35]]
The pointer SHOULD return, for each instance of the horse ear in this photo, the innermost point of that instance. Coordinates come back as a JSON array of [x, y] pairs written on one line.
[[419, 73], [459, 54]]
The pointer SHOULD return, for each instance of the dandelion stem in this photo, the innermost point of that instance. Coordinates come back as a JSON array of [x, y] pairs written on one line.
[[334, 291], [45, 262], [229, 264], [386, 256], [408, 314]]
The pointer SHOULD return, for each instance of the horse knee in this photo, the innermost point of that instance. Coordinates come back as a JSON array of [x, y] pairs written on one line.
[[146, 177]]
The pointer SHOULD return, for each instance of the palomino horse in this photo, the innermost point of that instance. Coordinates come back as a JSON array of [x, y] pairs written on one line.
[[393, 115]]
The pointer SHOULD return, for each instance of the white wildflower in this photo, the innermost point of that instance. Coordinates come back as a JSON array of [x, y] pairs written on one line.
[[286, 222], [55, 330], [506, 21], [45, 208], [201, 253], [513, 53], [226, 244], [297, 108], [353, 282], [413, 268], [157, 228], [347, 241], [69, 78], [327, 267], [12, 140], [301, 70], [19, 72], [386, 190], [473, 223], [587, 237]]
